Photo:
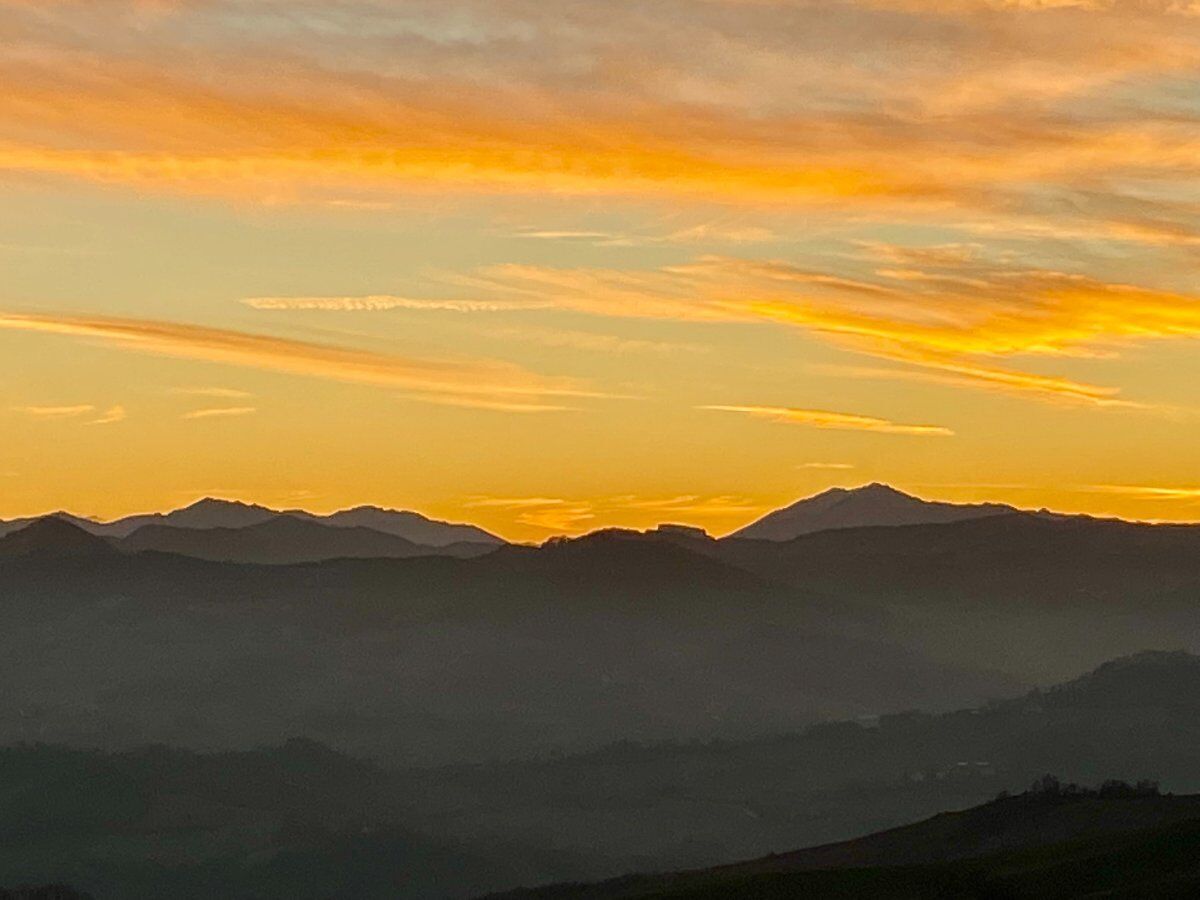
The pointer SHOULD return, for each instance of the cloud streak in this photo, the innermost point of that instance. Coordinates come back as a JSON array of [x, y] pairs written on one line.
[[943, 314], [382, 303], [434, 379], [976, 104], [820, 418], [111, 416], [220, 412], [55, 412]]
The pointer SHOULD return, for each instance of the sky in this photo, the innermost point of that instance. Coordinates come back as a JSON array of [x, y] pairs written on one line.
[[550, 267]]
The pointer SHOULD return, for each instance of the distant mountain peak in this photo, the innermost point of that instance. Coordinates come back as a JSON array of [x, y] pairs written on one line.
[[409, 525], [214, 503], [56, 537], [874, 504]]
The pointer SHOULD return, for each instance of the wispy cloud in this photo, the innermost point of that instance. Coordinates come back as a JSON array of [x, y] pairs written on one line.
[[220, 393], [826, 465], [449, 379], [111, 416], [220, 412], [1148, 492], [382, 302], [481, 502], [703, 232], [591, 341], [819, 418], [55, 412], [930, 104], [559, 514], [952, 326]]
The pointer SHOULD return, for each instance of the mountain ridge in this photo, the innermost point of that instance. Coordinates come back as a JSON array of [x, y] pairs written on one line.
[[874, 504], [211, 512]]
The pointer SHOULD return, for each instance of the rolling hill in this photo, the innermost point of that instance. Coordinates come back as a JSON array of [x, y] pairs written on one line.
[[1035, 845]]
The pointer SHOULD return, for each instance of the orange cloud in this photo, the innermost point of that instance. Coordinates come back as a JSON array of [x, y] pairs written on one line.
[[342, 118], [819, 418], [447, 380], [111, 416], [945, 313], [222, 412], [55, 412], [380, 303]]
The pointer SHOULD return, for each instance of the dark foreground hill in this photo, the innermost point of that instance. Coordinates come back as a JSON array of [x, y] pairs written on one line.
[[696, 803], [1109, 843], [304, 821], [294, 822]]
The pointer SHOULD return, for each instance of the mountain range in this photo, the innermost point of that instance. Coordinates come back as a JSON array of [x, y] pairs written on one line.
[[622, 701], [231, 531], [212, 513]]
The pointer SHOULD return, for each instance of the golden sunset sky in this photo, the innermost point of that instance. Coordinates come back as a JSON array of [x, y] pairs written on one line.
[[549, 266]]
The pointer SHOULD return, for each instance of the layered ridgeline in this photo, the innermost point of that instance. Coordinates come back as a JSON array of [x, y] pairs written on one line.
[[418, 654], [242, 532], [301, 821], [520, 651]]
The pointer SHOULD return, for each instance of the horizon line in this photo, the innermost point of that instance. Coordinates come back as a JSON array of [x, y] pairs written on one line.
[[234, 500]]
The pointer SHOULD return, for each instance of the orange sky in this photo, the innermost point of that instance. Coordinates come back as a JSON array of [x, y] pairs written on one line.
[[553, 267]]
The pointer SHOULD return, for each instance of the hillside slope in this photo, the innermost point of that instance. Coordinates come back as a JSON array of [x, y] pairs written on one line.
[[1028, 846]]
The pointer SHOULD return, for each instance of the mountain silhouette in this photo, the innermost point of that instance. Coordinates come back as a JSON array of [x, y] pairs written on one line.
[[53, 538], [231, 514], [408, 525], [1044, 596], [284, 539], [872, 504]]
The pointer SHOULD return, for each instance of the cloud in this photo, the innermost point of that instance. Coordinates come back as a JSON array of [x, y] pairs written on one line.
[[1143, 492], [512, 502], [590, 341], [712, 232], [880, 105], [448, 380], [825, 465], [216, 392], [111, 416], [378, 303], [948, 316], [55, 412], [223, 412], [818, 418], [558, 514]]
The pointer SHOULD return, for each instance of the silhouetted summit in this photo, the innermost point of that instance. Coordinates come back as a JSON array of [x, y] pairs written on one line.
[[872, 504], [405, 524], [53, 537]]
